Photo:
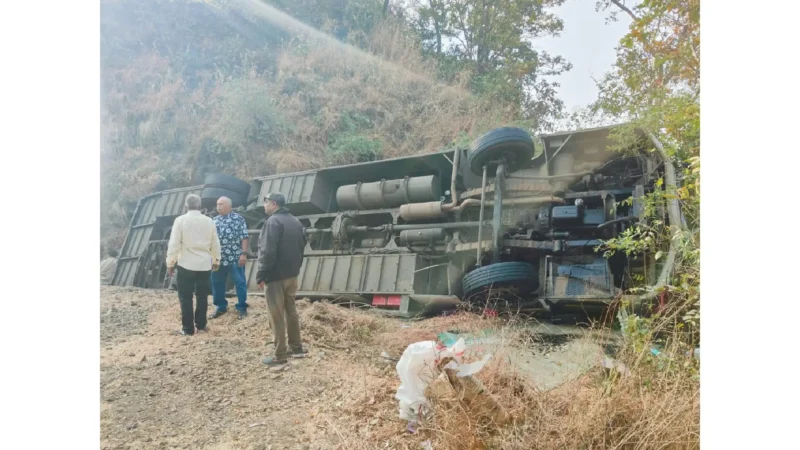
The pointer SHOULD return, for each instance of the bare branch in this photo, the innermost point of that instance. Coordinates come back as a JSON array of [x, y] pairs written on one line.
[[625, 8], [694, 53], [674, 214]]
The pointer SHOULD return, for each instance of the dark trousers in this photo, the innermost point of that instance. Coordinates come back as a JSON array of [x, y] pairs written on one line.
[[193, 283]]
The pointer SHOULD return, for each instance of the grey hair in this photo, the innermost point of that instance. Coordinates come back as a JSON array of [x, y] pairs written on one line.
[[192, 202], [227, 200]]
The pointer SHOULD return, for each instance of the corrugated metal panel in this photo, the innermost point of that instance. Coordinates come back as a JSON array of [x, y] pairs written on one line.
[[351, 274], [167, 203], [150, 208], [250, 269], [296, 188], [126, 272], [305, 192], [137, 241], [358, 273]]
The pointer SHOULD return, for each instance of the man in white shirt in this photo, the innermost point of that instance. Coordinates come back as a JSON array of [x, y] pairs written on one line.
[[194, 248]]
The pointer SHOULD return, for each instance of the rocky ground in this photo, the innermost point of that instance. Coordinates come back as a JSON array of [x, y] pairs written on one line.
[[211, 391]]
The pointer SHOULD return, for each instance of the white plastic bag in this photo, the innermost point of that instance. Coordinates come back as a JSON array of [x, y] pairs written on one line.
[[417, 368], [468, 370]]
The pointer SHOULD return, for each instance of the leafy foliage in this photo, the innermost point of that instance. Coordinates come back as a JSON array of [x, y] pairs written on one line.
[[491, 43], [354, 148], [655, 85]]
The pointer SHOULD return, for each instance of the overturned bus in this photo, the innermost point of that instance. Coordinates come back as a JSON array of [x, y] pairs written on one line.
[[427, 232]]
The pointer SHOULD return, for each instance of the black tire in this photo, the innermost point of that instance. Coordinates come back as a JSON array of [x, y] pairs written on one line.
[[210, 195], [501, 274], [218, 180], [513, 144]]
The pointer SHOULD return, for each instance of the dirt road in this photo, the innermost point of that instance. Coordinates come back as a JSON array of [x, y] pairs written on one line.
[[211, 391]]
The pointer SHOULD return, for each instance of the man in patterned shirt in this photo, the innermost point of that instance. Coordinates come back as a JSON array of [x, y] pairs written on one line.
[[233, 238]]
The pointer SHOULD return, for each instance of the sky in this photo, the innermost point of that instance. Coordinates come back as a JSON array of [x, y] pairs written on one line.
[[588, 43]]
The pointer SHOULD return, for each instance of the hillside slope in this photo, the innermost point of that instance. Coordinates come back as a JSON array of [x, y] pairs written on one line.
[[191, 87]]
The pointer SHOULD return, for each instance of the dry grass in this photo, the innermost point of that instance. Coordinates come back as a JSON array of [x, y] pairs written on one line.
[[316, 89], [345, 398], [336, 326], [655, 406], [396, 92]]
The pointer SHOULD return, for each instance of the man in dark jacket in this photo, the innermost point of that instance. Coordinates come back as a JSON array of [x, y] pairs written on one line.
[[280, 255]]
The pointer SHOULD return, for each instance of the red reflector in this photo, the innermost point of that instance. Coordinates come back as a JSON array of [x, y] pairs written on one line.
[[386, 300]]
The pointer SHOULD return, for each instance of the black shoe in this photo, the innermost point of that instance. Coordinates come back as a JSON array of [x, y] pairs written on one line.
[[272, 362], [203, 330], [242, 314], [302, 353], [217, 313]]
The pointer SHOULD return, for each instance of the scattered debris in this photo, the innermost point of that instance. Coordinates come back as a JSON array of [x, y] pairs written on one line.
[[416, 369], [450, 338], [386, 356], [329, 405], [426, 445], [610, 364], [548, 343], [426, 362], [332, 347], [259, 424], [456, 384]]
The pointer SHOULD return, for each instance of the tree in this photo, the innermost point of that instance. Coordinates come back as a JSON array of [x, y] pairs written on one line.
[[337, 17], [658, 58], [492, 40], [430, 23], [655, 85]]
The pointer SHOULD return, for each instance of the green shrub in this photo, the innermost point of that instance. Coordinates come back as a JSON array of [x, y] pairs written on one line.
[[347, 148]]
